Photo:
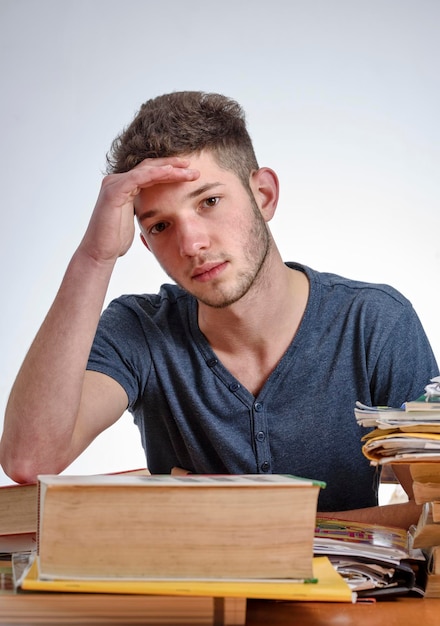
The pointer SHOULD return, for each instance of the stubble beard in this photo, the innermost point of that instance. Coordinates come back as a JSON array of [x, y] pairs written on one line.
[[256, 251]]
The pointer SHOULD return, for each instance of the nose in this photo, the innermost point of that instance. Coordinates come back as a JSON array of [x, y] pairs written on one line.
[[192, 237]]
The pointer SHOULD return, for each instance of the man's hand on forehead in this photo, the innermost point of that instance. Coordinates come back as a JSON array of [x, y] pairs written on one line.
[[165, 170]]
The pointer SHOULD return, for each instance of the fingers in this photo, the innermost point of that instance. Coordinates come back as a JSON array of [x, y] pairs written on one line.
[[174, 161], [179, 471], [170, 170], [111, 227], [151, 172]]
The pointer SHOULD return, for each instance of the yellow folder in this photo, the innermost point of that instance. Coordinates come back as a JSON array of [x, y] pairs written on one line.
[[329, 586]]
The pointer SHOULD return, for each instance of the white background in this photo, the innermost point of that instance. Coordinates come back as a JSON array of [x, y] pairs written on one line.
[[343, 101]]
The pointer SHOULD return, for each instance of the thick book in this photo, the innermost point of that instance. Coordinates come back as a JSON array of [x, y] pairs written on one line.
[[19, 515], [18, 509], [326, 586], [18, 518], [137, 527]]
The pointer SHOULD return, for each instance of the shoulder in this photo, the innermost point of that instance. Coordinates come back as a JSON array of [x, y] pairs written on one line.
[[343, 288], [152, 304], [136, 316]]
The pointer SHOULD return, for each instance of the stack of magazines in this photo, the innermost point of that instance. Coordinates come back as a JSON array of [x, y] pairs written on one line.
[[376, 561]]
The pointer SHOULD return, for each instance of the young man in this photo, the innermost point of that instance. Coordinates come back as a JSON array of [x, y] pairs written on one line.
[[248, 364]]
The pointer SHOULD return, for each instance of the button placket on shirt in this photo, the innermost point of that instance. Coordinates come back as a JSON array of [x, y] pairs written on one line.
[[260, 437], [258, 417]]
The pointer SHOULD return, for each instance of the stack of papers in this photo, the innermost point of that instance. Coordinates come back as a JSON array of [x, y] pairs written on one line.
[[374, 560], [406, 434]]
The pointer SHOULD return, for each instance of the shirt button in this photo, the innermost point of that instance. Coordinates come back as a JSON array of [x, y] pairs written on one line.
[[212, 362], [234, 386], [258, 407], [260, 436], [265, 466]]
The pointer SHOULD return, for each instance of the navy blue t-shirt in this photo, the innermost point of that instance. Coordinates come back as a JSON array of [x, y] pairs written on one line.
[[356, 341]]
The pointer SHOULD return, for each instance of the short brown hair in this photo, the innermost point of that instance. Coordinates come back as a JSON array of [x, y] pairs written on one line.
[[183, 123]]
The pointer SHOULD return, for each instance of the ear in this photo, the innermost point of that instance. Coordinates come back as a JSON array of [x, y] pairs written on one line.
[[265, 187], [144, 241]]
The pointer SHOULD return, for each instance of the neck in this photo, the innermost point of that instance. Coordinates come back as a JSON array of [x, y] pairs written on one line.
[[269, 313]]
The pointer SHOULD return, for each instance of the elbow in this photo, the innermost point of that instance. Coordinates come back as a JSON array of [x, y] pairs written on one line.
[[21, 469], [23, 465], [19, 472]]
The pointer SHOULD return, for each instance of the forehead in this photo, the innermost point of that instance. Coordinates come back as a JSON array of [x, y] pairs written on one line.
[[211, 176], [206, 159]]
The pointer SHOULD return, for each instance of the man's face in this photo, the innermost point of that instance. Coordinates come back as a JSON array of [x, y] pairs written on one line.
[[208, 234]]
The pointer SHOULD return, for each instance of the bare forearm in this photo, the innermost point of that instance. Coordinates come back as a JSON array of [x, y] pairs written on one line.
[[44, 400], [49, 398], [401, 515]]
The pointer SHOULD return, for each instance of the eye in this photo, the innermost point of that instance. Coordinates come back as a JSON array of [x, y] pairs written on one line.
[[157, 228], [211, 202]]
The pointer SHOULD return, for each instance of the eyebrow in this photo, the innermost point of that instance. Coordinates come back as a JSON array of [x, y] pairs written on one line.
[[190, 196], [201, 190]]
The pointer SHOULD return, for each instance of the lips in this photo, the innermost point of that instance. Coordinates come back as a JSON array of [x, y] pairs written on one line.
[[208, 271]]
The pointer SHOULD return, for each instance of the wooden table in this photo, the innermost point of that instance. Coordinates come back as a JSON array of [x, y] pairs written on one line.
[[88, 609], [398, 612], [73, 609]]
